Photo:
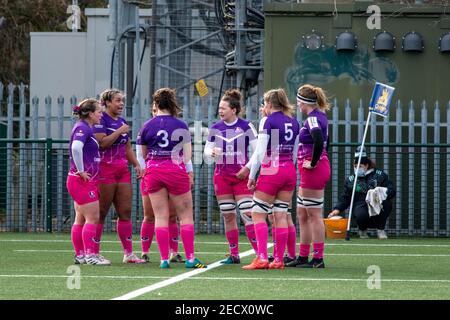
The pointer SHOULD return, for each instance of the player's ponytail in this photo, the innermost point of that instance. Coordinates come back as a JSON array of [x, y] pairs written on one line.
[[322, 100]]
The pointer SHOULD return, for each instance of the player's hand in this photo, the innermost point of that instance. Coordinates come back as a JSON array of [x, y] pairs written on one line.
[[216, 152], [251, 184], [243, 173], [191, 178], [139, 172], [84, 175], [307, 165], [333, 213], [124, 129]]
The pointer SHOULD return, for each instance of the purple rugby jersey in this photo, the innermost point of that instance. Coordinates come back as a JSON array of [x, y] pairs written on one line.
[[316, 120], [117, 151], [283, 131], [164, 136], [234, 140], [91, 156]]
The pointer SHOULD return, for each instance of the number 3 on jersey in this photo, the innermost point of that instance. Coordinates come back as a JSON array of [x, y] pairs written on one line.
[[165, 141], [289, 134]]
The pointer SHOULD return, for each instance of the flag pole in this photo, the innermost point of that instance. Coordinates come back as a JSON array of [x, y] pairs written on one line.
[[347, 236]]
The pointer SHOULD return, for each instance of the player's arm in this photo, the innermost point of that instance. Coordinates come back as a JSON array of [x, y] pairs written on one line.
[[208, 152], [253, 142], [141, 154], [187, 155], [317, 138], [106, 141], [77, 156], [261, 149], [295, 151], [132, 159]]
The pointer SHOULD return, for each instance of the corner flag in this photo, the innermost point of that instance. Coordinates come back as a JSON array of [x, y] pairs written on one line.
[[381, 99]]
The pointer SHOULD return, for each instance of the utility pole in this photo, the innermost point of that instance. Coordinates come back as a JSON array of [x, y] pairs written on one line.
[[153, 39], [241, 44]]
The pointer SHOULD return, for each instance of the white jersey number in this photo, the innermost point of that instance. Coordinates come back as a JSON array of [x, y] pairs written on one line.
[[289, 134], [165, 141]]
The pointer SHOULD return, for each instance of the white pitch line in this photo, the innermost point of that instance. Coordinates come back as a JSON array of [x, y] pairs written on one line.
[[225, 243], [178, 278], [322, 279], [218, 253], [225, 278], [66, 276]]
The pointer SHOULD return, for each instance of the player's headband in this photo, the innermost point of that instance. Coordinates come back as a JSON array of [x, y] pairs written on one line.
[[306, 100]]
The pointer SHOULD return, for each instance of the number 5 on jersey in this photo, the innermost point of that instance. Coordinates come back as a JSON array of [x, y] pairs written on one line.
[[289, 134]]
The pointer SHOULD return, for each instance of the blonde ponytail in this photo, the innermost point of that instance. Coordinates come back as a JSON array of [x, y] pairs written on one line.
[[322, 100]]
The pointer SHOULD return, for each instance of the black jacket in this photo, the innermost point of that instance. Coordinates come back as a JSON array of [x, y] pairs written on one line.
[[376, 178]]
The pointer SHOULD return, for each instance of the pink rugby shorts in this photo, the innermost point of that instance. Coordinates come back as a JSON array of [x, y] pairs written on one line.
[[81, 191], [116, 172], [229, 184], [316, 178], [167, 175], [143, 185], [282, 178]]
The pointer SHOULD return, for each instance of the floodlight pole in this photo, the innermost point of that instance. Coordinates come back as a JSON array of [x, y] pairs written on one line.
[[347, 236]]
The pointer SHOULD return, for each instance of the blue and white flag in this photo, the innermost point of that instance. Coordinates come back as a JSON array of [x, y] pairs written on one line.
[[381, 99]]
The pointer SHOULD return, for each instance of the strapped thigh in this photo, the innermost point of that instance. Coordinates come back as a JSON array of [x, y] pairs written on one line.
[[227, 206], [280, 206], [309, 202], [245, 206], [260, 206]]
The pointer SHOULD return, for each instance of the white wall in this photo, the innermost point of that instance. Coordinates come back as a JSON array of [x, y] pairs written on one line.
[[58, 67], [68, 63]]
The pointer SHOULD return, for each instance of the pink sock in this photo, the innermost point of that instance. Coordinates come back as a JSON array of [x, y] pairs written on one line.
[[98, 238], [262, 235], [318, 250], [147, 231], [282, 238], [125, 233], [77, 239], [187, 236], [250, 232], [233, 241], [304, 250], [274, 240], [162, 238], [89, 233], [292, 239], [173, 233]]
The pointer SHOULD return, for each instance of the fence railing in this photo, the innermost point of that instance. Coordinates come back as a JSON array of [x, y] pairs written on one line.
[[412, 144], [36, 198]]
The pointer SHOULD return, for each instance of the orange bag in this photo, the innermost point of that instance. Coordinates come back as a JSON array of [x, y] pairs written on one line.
[[335, 228]]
